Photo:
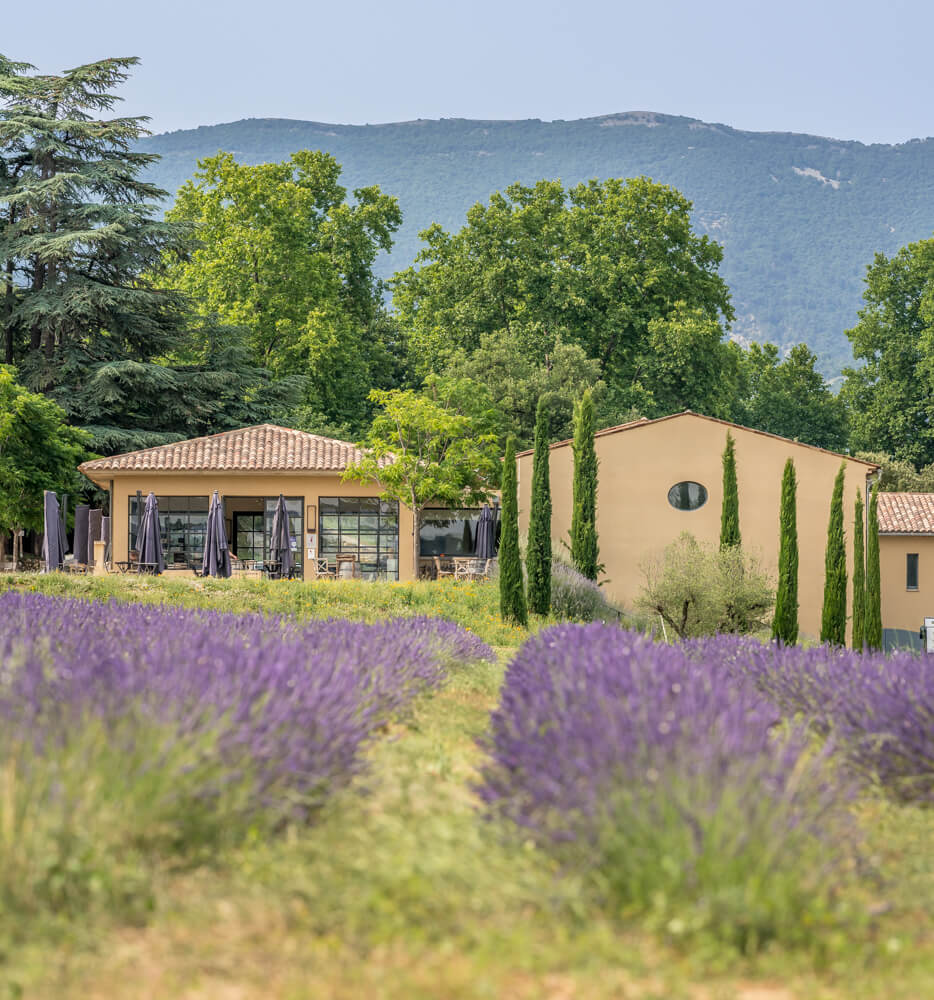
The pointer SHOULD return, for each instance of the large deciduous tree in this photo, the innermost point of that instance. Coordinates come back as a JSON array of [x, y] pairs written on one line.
[[890, 395], [595, 266], [538, 551], [38, 452], [435, 446], [283, 253], [789, 397], [833, 617], [785, 621]]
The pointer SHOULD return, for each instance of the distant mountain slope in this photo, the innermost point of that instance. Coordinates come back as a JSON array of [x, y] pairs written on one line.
[[800, 216]]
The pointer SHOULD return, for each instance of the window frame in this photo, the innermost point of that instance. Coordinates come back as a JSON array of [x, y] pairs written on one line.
[[909, 556]]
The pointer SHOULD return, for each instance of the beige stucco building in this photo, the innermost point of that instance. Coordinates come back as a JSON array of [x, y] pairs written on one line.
[[650, 468], [249, 468], [906, 565]]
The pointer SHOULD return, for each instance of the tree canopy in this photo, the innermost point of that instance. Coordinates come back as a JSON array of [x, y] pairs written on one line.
[[594, 266], [282, 253]]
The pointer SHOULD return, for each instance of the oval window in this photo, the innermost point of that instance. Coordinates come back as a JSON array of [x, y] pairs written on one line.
[[687, 496]]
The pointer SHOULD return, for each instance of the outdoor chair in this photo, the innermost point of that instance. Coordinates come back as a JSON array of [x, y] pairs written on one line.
[[323, 570], [348, 559], [441, 571]]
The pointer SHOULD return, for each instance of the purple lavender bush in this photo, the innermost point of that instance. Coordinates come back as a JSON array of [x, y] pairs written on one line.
[[878, 709], [671, 780], [142, 724]]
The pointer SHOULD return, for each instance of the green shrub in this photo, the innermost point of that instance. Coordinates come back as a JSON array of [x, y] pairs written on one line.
[[576, 598], [698, 590]]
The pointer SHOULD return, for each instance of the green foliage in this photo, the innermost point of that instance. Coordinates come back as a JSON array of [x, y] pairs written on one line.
[[574, 598], [801, 281], [38, 452], [889, 395], [511, 585], [698, 590], [872, 635], [437, 446], [730, 536], [785, 622], [897, 475], [585, 551], [538, 550], [594, 266], [88, 316], [284, 255], [857, 639], [833, 616], [789, 397], [520, 369]]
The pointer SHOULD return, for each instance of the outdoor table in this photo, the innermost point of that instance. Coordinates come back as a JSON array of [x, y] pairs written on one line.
[[146, 567], [123, 565]]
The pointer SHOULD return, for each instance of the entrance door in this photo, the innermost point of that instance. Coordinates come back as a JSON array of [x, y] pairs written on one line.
[[248, 536]]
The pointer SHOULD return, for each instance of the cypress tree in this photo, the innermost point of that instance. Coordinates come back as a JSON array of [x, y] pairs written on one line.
[[538, 556], [859, 575], [872, 628], [584, 547], [785, 622], [833, 619], [729, 513], [511, 587]]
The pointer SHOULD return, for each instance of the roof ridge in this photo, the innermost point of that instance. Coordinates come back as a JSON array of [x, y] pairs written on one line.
[[647, 422]]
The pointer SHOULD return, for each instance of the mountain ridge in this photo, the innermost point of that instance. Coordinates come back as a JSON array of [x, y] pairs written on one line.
[[800, 216]]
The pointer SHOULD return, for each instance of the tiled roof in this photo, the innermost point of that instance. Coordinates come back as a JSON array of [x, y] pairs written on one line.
[[645, 422], [906, 513], [264, 448]]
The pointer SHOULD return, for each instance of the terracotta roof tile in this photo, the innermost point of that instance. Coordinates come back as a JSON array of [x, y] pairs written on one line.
[[264, 448], [906, 513]]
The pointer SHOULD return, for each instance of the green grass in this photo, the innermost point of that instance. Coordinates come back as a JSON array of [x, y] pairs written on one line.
[[473, 605], [401, 890]]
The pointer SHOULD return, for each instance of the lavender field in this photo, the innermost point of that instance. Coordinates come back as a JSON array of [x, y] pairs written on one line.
[[267, 806]]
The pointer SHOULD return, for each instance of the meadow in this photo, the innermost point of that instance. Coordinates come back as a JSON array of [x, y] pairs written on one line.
[[577, 812]]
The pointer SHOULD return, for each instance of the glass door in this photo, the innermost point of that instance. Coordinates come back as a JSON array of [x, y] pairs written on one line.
[[248, 536]]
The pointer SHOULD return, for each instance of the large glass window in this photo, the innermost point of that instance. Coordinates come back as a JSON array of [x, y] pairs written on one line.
[[448, 532], [247, 541], [911, 571], [366, 527], [182, 523]]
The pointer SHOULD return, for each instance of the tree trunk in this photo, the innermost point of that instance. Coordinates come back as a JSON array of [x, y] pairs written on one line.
[[416, 532]]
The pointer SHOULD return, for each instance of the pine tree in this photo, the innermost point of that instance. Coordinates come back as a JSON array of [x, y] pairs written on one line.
[[859, 575], [511, 586], [584, 546], [82, 253], [872, 634], [729, 513], [785, 622], [538, 555], [833, 619]]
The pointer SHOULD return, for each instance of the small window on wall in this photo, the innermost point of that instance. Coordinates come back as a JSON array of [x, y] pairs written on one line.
[[687, 496], [911, 571]]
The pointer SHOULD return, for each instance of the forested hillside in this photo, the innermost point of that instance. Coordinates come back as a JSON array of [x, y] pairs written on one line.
[[800, 217]]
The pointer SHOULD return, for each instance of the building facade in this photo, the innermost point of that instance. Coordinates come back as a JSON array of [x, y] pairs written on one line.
[[659, 478], [250, 468], [906, 566]]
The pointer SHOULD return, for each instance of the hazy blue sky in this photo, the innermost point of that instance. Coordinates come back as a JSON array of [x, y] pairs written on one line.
[[852, 69]]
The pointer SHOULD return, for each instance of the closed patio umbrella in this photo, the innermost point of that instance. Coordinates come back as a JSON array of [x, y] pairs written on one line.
[[80, 548], [216, 554], [63, 520], [94, 532], [280, 546], [53, 548], [149, 537], [486, 542]]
